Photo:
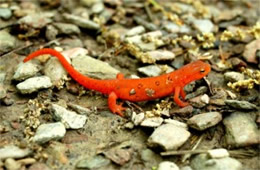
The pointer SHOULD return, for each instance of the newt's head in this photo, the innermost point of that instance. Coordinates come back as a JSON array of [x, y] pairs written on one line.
[[195, 71]]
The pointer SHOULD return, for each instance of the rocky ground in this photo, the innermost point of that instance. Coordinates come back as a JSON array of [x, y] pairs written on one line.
[[48, 121]]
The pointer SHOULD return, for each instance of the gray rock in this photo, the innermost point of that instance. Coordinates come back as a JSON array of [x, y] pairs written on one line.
[[97, 8], [241, 130], [135, 31], [93, 162], [51, 32], [34, 84], [70, 119], [37, 20], [148, 155], [26, 70], [65, 28], [250, 51], [174, 28], [152, 122], [204, 120], [176, 123], [11, 164], [5, 13], [94, 68], [200, 101], [203, 25], [241, 104], [7, 42], [203, 162], [50, 131], [168, 165], [2, 91], [12, 151], [81, 22], [154, 70], [233, 76], [137, 118], [159, 55], [79, 109], [169, 137]]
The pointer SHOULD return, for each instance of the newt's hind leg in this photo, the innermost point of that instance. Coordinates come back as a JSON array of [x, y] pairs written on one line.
[[120, 76], [178, 101], [115, 108]]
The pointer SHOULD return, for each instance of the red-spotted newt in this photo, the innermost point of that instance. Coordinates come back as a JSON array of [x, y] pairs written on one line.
[[135, 89]]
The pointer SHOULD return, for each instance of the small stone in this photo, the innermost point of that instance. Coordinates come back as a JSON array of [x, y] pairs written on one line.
[[241, 104], [135, 31], [2, 91], [129, 125], [154, 70], [241, 130], [119, 155], [79, 109], [95, 68], [218, 153], [7, 42], [152, 122], [11, 164], [70, 119], [5, 13], [97, 8], [68, 29], [51, 32], [12, 151], [205, 120], [250, 51], [176, 123], [149, 156], [95, 162], [81, 22], [137, 118], [183, 111], [26, 70], [160, 55], [199, 101], [50, 131], [233, 76], [169, 137], [168, 165], [203, 162], [148, 25], [27, 161], [37, 20], [34, 84], [201, 90], [203, 25]]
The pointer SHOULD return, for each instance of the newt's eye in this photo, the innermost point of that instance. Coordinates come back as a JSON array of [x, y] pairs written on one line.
[[202, 70]]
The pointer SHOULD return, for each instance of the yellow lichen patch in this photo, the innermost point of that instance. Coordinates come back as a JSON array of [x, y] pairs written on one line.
[[226, 35], [255, 30], [160, 109], [207, 39]]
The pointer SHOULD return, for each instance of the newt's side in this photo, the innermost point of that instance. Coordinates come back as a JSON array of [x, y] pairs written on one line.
[[135, 89]]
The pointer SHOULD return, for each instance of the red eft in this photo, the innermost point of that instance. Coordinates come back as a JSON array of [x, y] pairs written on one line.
[[135, 89]]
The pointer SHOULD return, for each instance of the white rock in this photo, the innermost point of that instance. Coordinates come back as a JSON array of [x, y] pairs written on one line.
[[50, 131], [34, 84], [11, 164], [154, 70], [218, 153], [12, 151], [159, 55], [203, 25], [137, 118], [135, 31], [70, 119], [26, 70], [233, 76], [176, 123], [169, 137], [167, 165], [152, 122], [97, 7]]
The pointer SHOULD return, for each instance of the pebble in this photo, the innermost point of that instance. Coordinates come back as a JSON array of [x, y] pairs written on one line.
[[137, 118], [79, 109], [67, 29], [167, 165], [34, 84], [7, 42], [135, 31], [160, 55], [51, 32], [26, 70], [11, 164], [81, 22], [119, 155], [97, 8], [95, 68], [199, 101], [154, 70], [27, 161], [176, 123], [5, 13], [174, 28], [70, 119], [250, 51], [205, 120], [94, 162], [50, 131], [241, 129], [241, 104], [218, 153], [37, 20], [203, 162], [148, 156], [152, 122], [148, 25], [183, 111], [12, 151], [169, 137], [201, 90], [233, 76], [203, 25]]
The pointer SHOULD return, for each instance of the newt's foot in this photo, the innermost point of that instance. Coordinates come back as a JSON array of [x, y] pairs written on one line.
[[118, 109]]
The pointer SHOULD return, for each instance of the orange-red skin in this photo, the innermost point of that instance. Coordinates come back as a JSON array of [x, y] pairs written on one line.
[[135, 89]]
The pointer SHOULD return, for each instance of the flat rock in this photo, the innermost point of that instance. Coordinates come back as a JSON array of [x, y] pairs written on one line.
[[34, 84], [154, 70], [37, 20], [245, 105], [233, 76], [176, 123], [12, 151], [137, 118], [203, 162], [7, 42], [94, 162], [97, 8], [160, 55], [152, 122], [93, 67], [50, 131], [65, 28], [203, 25], [70, 119], [168, 165], [26, 70], [135, 31], [250, 51], [5, 13], [241, 130], [204, 120], [169, 137]]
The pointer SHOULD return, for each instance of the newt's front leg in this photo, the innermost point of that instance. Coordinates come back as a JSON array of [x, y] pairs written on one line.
[[178, 101], [115, 108]]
